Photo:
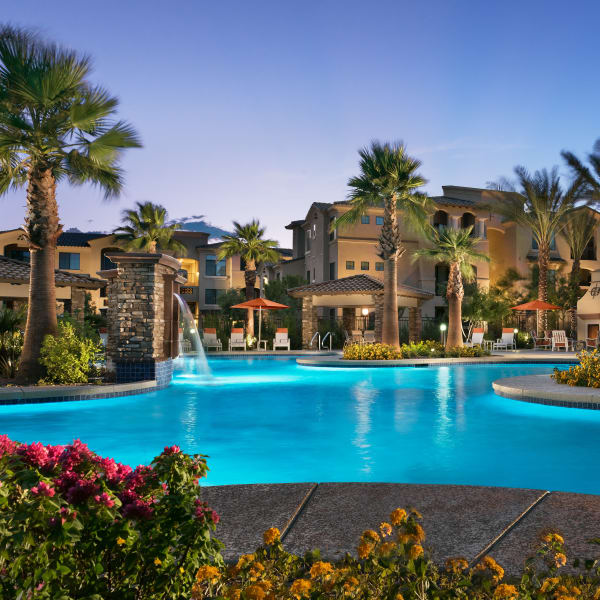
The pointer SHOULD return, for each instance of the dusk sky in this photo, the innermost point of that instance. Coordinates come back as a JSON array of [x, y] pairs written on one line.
[[257, 109]]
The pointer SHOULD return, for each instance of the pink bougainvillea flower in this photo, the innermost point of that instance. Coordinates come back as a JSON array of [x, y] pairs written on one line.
[[7, 446], [43, 489], [171, 450], [105, 499]]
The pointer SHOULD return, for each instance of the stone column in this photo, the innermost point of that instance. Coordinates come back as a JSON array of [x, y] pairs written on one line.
[[378, 300], [348, 319], [141, 335], [414, 322], [78, 303], [309, 321]]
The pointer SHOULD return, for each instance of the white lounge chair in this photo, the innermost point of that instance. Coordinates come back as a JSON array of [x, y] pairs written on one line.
[[369, 337], [356, 336], [476, 338], [211, 340], [237, 339], [281, 339], [507, 342], [540, 342], [559, 340]]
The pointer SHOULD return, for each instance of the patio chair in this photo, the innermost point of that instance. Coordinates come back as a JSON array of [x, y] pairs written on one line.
[[211, 340], [237, 339], [507, 341], [542, 343], [592, 343], [356, 336], [369, 336], [476, 338], [559, 340], [281, 339]]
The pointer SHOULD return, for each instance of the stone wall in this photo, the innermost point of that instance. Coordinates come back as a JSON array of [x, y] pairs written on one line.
[[309, 321]]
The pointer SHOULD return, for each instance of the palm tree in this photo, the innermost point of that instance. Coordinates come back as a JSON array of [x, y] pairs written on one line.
[[457, 249], [590, 175], [248, 241], [146, 230], [388, 177], [540, 204], [54, 125], [578, 232]]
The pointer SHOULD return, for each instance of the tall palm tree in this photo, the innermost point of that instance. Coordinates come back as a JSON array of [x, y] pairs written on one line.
[[248, 241], [388, 178], [578, 232], [590, 175], [539, 203], [457, 249], [145, 230], [54, 126]]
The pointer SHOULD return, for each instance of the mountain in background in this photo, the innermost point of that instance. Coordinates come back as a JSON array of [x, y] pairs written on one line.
[[197, 223]]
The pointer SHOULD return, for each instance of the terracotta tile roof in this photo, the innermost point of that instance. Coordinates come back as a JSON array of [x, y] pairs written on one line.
[[447, 201], [17, 271], [355, 284]]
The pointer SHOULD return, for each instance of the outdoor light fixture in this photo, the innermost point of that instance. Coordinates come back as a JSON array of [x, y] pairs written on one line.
[[515, 330], [443, 327], [365, 312]]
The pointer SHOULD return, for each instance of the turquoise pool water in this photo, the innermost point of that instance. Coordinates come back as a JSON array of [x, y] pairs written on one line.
[[270, 420]]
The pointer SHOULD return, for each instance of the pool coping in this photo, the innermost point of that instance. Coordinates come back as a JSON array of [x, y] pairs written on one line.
[[541, 389]]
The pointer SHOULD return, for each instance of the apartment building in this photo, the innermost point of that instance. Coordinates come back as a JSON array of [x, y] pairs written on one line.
[[320, 254]]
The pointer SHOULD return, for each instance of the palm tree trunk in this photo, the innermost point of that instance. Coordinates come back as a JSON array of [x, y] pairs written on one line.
[[250, 280], [574, 278], [42, 229], [390, 250], [454, 293], [543, 260]]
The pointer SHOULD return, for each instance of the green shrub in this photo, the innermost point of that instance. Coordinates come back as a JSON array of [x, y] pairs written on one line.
[[426, 349], [371, 352], [585, 374], [67, 357], [76, 525]]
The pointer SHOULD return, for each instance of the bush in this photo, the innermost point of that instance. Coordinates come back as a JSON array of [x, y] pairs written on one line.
[[585, 374], [427, 349], [67, 357], [77, 525], [371, 352]]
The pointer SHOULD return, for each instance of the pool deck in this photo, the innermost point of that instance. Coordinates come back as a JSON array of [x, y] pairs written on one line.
[[467, 521]]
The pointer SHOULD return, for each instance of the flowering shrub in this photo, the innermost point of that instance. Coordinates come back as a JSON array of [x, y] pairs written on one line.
[[76, 525], [426, 349], [66, 356], [585, 374], [392, 564]]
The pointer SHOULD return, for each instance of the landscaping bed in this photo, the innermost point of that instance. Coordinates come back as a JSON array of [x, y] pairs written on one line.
[[427, 349]]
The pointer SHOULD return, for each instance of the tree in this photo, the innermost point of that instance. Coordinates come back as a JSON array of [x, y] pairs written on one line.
[[54, 126], [389, 179], [248, 242], [457, 249], [578, 232], [145, 230], [590, 175], [539, 203]]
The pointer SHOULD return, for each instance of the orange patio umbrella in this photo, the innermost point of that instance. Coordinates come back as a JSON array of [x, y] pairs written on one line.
[[260, 304], [536, 305]]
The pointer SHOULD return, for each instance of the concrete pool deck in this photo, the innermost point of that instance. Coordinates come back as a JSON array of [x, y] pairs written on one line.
[[459, 520]]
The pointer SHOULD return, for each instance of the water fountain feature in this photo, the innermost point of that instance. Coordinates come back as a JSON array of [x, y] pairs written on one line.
[[190, 333]]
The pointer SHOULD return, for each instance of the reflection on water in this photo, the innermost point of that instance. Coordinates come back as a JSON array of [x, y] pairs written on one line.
[[364, 397], [442, 397]]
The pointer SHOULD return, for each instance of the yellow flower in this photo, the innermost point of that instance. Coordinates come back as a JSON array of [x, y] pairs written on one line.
[[364, 549], [300, 588], [157, 561], [320, 569], [181, 570], [386, 548], [487, 562], [506, 592], [549, 583], [121, 541], [398, 517], [350, 585], [385, 529], [244, 560], [208, 573], [415, 551], [456, 565], [399, 596], [254, 592], [560, 560], [234, 594], [371, 535], [419, 532], [255, 571], [408, 538], [553, 537], [270, 536]]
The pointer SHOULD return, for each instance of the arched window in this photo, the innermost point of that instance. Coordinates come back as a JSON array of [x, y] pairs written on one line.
[[440, 219], [441, 279], [468, 220], [105, 263], [16, 252], [590, 250]]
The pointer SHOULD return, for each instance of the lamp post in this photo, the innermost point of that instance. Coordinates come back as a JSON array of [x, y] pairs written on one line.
[[443, 328], [365, 314]]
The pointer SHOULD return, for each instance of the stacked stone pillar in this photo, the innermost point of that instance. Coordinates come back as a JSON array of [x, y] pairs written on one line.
[[378, 301], [309, 321], [414, 322], [78, 303], [142, 317]]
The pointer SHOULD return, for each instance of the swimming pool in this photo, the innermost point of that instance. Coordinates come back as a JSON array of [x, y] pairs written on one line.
[[265, 420]]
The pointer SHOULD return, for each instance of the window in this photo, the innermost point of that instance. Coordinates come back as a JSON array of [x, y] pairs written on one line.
[[16, 253], [440, 219], [349, 265], [379, 266], [307, 240], [215, 268], [365, 219], [364, 265], [534, 243], [308, 276], [378, 220], [331, 271], [211, 296], [242, 264], [332, 232], [585, 277], [441, 279], [68, 260], [468, 220], [590, 251]]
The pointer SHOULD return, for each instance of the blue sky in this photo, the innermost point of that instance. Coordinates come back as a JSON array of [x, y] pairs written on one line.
[[257, 108]]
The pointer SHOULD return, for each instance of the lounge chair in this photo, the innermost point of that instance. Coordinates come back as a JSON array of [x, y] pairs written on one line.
[[543, 343], [592, 343], [559, 340], [237, 339], [356, 336], [476, 338], [369, 336], [507, 341], [281, 339], [211, 340]]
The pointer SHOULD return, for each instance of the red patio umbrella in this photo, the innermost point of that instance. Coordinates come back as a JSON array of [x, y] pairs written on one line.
[[536, 305], [260, 304]]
